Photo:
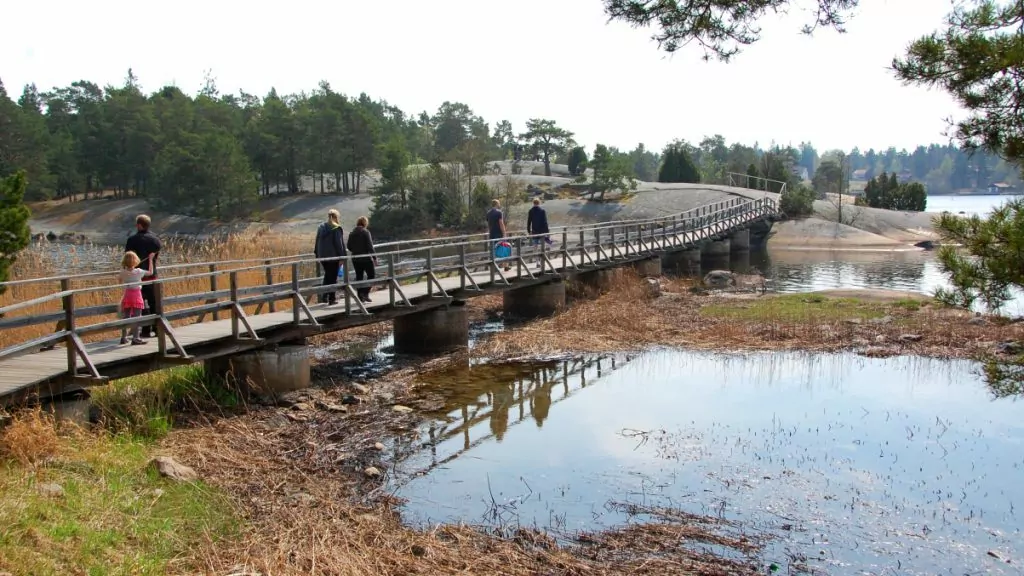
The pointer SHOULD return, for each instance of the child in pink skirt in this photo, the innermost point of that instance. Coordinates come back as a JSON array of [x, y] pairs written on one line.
[[132, 303]]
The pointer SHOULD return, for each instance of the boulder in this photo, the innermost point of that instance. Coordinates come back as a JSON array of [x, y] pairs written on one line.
[[653, 286], [170, 468], [926, 245], [719, 279], [51, 490]]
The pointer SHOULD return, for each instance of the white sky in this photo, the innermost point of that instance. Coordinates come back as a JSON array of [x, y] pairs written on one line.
[[554, 59]]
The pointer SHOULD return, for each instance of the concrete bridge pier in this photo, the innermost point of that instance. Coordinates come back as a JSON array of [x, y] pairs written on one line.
[[739, 262], [759, 232], [535, 301], [270, 371], [739, 241], [649, 268], [433, 331], [714, 255], [686, 262], [597, 281]]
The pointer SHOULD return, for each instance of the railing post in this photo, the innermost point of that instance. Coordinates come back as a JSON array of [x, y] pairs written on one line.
[[430, 270], [462, 265], [391, 279], [597, 242], [543, 256], [345, 278], [519, 257], [233, 287], [565, 249], [583, 248], [68, 303], [213, 288], [161, 336], [270, 281], [295, 293]]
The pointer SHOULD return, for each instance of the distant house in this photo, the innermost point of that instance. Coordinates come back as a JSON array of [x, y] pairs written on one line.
[[1001, 188], [861, 174], [800, 172], [904, 176]]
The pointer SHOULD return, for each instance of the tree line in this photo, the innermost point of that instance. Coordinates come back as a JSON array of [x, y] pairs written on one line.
[[941, 168]]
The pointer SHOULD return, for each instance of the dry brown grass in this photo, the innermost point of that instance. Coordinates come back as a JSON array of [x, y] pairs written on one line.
[[37, 262], [30, 438], [628, 318]]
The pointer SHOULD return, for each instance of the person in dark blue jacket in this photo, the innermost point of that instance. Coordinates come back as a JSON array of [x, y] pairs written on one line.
[[537, 222]]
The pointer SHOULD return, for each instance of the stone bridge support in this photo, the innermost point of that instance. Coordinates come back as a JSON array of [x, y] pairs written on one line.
[[649, 268], [714, 255], [739, 241], [597, 281], [535, 301], [268, 372], [759, 233], [433, 331], [685, 262]]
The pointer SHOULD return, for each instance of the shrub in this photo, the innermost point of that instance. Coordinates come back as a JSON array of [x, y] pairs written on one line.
[[797, 201]]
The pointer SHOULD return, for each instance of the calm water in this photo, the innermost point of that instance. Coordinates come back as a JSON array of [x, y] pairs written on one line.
[[898, 466], [969, 205]]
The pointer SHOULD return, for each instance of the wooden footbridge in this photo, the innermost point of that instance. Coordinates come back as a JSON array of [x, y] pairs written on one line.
[[215, 309]]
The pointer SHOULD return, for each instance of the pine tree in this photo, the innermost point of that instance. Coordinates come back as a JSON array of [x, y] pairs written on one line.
[[14, 215]]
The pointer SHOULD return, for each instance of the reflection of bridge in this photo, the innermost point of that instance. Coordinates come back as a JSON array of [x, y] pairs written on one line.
[[264, 303], [529, 393]]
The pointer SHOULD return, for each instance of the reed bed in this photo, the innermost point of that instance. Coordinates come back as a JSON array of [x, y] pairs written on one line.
[[630, 317], [38, 262]]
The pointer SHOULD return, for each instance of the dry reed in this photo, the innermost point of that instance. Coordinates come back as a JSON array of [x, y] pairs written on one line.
[[629, 317], [38, 262], [310, 510]]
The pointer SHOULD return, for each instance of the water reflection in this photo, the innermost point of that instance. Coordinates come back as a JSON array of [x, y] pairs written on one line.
[[858, 465], [501, 396]]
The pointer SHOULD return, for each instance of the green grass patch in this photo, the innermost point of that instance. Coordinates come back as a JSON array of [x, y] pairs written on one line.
[[802, 308], [115, 516], [145, 405]]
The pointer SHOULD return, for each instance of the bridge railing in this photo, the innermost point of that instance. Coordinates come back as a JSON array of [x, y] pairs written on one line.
[[255, 287], [751, 182]]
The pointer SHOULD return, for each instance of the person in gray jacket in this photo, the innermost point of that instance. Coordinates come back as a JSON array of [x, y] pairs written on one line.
[[330, 243]]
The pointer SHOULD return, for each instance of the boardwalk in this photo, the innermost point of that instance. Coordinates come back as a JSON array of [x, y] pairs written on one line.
[[419, 276]]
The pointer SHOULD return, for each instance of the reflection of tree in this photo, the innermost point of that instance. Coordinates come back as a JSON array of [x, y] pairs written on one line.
[[1005, 376]]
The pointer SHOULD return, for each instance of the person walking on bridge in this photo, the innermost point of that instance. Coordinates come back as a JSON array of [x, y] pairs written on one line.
[[360, 245], [146, 246], [537, 223], [496, 226], [330, 243]]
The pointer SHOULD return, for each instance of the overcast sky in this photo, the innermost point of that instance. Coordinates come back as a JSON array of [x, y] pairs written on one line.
[[608, 83]]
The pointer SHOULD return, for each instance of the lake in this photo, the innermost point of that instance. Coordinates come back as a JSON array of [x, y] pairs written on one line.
[[850, 465], [980, 205]]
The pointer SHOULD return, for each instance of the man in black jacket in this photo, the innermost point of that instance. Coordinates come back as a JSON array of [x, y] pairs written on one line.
[[144, 243], [330, 243], [537, 222]]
